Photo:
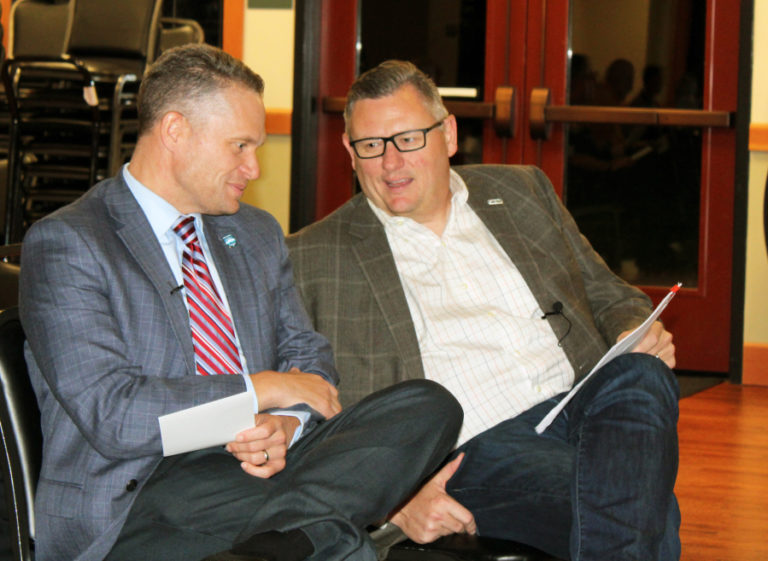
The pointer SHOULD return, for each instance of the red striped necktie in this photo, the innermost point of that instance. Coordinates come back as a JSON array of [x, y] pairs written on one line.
[[213, 334]]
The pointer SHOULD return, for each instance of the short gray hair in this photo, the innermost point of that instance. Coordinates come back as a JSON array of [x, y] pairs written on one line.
[[187, 74], [388, 77]]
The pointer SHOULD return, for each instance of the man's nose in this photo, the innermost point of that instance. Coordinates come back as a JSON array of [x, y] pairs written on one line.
[[392, 157], [251, 167]]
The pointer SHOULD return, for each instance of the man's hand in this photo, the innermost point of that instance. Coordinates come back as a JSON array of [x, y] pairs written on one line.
[[657, 342], [432, 512], [262, 449], [281, 390]]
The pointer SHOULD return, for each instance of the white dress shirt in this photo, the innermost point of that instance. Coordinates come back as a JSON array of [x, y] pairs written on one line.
[[480, 330]]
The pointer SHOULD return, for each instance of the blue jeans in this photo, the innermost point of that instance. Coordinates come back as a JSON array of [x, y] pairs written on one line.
[[598, 483]]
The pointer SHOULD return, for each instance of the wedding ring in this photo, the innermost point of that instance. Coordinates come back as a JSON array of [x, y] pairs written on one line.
[[266, 456]]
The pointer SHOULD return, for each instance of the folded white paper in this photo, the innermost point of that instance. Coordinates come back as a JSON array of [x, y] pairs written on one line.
[[210, 424], [624, 346]]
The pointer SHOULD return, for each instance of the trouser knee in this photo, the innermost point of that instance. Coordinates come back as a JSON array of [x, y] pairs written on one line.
[[634, 380], [423, 399]]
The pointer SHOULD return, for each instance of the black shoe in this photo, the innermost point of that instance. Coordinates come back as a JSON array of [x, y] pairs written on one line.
[[293, 545], [230, 556]]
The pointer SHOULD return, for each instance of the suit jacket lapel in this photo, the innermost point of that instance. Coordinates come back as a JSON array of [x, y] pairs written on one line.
[[132, 227], [497, 209], [375, 258]]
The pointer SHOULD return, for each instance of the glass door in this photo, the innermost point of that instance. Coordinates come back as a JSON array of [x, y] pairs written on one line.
[[625, 105], [632, 119]]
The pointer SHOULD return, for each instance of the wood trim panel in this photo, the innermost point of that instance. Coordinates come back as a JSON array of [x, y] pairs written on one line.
[[4, 19], [758, 137], [755, 364], [233, 27], [279, 121]]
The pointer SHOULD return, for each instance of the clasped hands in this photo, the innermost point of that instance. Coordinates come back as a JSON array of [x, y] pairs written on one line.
[[262, 448]]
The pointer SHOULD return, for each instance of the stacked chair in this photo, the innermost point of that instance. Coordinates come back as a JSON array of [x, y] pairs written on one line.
[[20, 457], [175, 32], [20, 436], [71, 80]]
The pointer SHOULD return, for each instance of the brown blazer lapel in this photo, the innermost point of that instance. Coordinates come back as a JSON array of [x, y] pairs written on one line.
[[371, 249], [500, 208]]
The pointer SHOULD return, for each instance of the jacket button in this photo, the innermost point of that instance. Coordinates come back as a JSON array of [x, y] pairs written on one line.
[[132, 484]]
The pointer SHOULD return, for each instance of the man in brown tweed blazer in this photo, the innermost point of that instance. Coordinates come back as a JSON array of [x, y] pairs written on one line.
[[477, 277]]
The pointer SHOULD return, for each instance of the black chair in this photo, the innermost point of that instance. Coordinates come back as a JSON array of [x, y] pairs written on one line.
[[9, 275], [116, 41], [175, 32], [75, 113], [466, 548], [54, 138], [35, 28], [20, 435], [392, 545], [38, 28]]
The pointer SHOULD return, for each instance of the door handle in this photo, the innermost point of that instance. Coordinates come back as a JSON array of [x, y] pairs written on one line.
[[542, 115], [502, 111]]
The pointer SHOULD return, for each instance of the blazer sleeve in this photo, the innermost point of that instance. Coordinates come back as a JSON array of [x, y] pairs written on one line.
[[299, 344], [616, 305]]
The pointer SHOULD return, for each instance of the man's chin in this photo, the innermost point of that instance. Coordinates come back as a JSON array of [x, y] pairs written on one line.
[[225, 210]]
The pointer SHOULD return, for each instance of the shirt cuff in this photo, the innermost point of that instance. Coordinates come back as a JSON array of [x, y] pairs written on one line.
[[302, 416], [249, 389]]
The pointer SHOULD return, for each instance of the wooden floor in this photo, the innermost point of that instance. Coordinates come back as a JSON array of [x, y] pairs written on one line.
[[722, 483]]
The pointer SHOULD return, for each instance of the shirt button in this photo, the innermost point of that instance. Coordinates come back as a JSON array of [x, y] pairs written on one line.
[[132, 484]]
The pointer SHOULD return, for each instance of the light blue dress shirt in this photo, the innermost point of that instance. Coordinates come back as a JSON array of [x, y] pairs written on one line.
[[161, 216]]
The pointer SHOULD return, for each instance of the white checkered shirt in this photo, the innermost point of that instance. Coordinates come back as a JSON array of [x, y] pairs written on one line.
[[480, 330]]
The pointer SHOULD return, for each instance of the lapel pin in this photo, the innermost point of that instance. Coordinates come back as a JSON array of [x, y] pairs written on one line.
[[229, 240], [494, 202]]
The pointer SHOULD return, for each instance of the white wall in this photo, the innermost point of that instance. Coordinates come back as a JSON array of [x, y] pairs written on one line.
[[756, 297], [268, 50]]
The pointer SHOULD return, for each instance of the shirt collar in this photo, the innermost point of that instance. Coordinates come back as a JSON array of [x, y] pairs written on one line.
[[459, 199], [160, 213]]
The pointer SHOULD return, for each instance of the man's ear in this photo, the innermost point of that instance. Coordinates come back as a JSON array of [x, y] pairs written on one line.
[[451, 135], [174, 128], [350, 150]]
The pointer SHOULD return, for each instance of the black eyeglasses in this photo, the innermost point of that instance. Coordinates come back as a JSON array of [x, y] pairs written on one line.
[[406, 141]]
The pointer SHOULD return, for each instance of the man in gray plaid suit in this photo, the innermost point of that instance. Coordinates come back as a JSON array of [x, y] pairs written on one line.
[[477, 277], [107, 317]]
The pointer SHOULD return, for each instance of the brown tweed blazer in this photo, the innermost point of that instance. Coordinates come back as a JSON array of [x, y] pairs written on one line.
[[346, 275]]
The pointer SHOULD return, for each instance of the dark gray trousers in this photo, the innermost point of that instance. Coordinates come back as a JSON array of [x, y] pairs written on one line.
[[347, 473]]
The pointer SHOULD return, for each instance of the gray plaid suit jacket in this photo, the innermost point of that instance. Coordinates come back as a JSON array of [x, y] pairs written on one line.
[[110, 350], [347, 277]]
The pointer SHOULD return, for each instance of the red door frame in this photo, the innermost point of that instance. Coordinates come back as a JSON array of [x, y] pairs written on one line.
[[700, 311], [338, 65]]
